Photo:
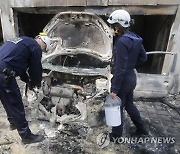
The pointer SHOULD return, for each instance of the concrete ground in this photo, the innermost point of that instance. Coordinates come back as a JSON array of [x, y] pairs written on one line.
[[161, 117], [162, 120]]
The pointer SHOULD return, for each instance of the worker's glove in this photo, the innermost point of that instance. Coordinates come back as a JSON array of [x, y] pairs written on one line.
[[38, 85], [25, 78], [30, 86]]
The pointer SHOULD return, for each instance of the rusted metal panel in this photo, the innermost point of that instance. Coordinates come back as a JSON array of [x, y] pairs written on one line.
[[21, 3], [50, 3], [134, 10], [169, 2], [97, 2], [144, 2], [171, 43], [76, 2], [7, 24], [133, 2], [36, 3], [151, 10]]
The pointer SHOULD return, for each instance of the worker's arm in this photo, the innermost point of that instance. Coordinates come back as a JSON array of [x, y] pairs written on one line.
[[120, 64], [35, 66], [142, 56], [25, 77]]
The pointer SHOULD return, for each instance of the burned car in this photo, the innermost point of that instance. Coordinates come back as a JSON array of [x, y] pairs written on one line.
[[76, 75]]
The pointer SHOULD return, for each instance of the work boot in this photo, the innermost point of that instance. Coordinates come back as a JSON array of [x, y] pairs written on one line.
[[32, 138], [12, 127], [115, 139], [142, 131]]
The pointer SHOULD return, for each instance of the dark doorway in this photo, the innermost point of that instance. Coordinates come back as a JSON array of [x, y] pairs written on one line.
[[155, 30], [31, 24]]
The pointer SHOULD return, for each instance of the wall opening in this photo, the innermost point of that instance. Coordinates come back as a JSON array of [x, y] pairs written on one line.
[[30, 24], [154, 29]]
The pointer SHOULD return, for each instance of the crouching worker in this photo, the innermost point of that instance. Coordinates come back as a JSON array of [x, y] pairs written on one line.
[[18, 56], [128, 51]]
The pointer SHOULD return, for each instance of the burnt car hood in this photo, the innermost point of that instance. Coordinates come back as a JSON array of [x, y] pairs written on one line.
[[81, 32]]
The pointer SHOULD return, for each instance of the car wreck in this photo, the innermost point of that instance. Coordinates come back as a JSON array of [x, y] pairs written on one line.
[[76, 75]]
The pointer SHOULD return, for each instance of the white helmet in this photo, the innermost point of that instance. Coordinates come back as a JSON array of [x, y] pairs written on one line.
[[45, 39], [120, 16]]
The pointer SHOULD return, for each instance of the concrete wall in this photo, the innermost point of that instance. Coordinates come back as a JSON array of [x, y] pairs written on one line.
[[97, 6], [40, 3]]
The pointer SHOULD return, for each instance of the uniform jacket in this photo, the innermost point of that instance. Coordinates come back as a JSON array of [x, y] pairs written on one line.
[[128, 51], [22, 55]]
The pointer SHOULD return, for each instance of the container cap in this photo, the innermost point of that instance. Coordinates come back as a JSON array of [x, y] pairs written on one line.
[[109, 102]]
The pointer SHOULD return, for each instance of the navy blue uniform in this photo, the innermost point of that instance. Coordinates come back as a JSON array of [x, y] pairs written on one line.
[[21, 55], [128, 52]]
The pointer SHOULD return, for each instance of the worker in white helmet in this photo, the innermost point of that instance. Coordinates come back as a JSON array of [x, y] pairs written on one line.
[[128, 52], [44, 41]]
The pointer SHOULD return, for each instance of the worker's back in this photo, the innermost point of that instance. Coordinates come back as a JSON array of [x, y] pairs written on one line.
[[21, 53]]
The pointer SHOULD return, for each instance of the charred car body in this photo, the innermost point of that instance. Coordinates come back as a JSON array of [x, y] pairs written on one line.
[[77, 74], [77, 68]]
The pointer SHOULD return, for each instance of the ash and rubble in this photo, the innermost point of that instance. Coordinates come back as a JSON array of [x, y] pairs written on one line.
[[80, 136]]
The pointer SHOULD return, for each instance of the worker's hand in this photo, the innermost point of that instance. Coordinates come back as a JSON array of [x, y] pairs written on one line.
[[113, 95], [38, 85], [30, 86], [25, 78]]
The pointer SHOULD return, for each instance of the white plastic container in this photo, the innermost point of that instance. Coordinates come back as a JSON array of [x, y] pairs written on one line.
[[112, 111]]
